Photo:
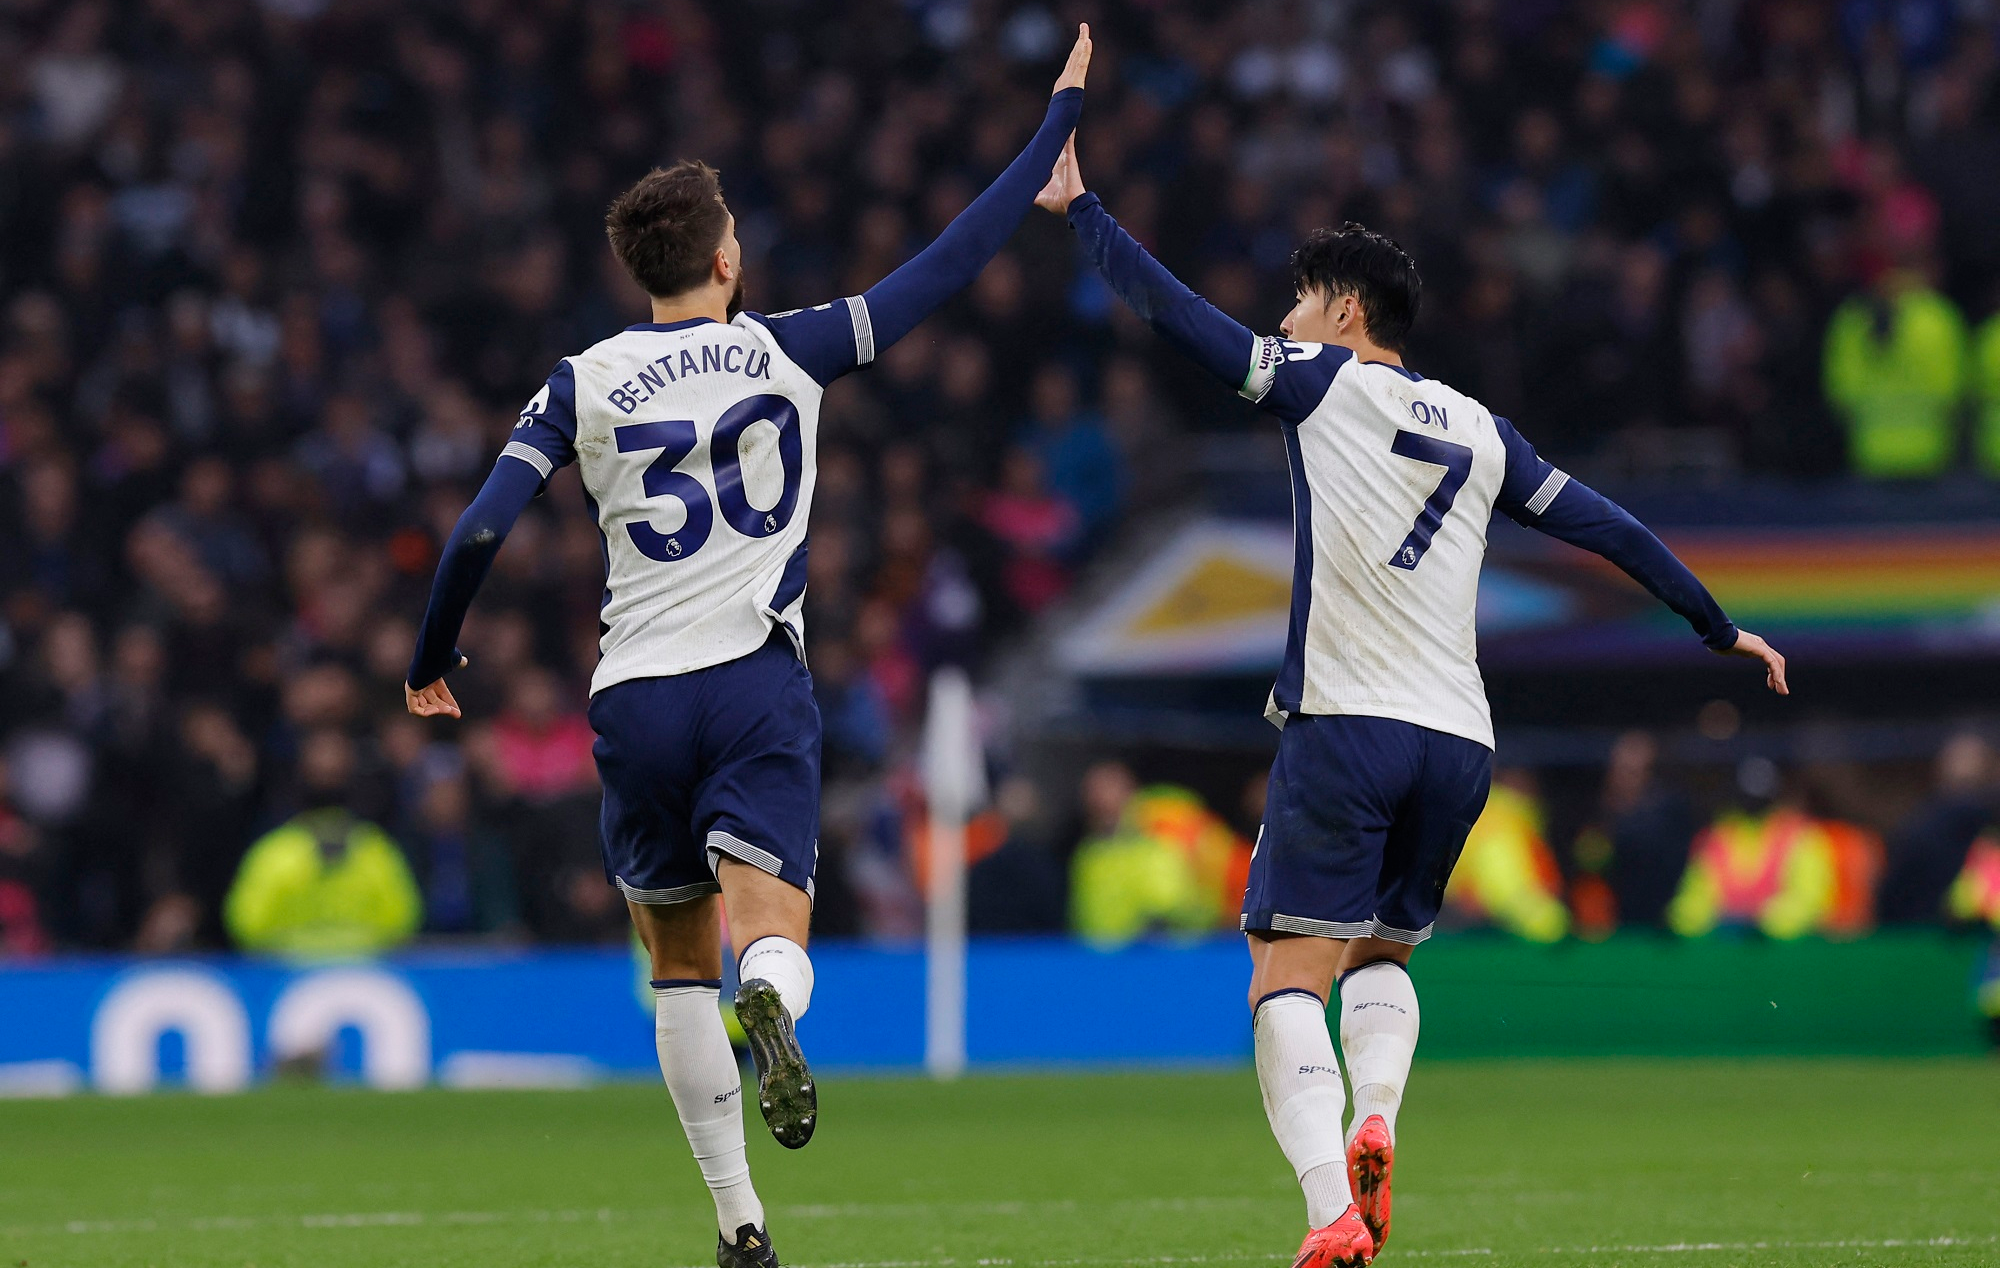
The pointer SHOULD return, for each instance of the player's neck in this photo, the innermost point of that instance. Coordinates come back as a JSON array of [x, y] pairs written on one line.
[[1364, 349], [711, 302]]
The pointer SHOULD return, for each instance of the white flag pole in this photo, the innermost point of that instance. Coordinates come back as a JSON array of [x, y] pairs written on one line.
[[954, 775]]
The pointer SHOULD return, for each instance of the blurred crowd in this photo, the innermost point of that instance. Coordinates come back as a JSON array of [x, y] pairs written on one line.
[[276, 276], [1776, 853]]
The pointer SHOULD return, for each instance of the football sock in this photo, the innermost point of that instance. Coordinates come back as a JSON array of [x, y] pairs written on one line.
[[1303, 1098], [784, 964], [1378, 1034], [700, 1069]]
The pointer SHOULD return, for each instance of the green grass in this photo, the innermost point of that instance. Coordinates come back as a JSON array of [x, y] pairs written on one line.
[[1567, 1163]]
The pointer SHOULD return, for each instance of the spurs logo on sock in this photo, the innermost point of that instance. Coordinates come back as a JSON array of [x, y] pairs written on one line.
[[1303, 1098], [701, 1074]]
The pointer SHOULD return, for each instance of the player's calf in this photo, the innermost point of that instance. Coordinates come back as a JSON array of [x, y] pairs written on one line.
[[701, 1074], [1303, 1099]]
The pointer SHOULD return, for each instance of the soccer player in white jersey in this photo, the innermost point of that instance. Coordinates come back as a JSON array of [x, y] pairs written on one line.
[[695, 433], [1387, 744]]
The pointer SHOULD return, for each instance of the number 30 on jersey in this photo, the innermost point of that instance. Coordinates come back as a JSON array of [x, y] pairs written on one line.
[[677, 439]]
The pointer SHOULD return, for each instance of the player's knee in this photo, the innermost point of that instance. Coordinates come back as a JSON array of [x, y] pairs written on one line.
[[1362, 952], [1305, 964]]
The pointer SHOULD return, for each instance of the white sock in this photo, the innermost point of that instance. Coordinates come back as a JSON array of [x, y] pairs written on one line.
[[1304, 1097], [1378, 1034], [784, 964], [701, 1074]]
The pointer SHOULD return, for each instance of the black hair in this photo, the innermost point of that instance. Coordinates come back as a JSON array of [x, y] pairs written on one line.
[[666, 227], [1356, 260]]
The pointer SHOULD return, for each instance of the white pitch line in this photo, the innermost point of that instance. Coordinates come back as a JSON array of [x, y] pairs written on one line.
[[405, 1219]]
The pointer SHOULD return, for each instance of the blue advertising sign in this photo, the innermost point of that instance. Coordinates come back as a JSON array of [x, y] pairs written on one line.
[[564, 1017]]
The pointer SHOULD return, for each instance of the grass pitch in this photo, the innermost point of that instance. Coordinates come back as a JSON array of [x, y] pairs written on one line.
[[1567, 1163]]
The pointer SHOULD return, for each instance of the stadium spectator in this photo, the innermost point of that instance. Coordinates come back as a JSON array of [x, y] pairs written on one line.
[[324, 883], [1930, 848], [1081, 467], [24, 884], [1156, 860], [1019, 887], [1648, 826], [1895, 359], [1506, 875], [1768, 865], [1037, 532]]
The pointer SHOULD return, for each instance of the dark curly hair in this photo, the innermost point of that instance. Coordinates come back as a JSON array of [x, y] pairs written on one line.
[[1356, 260]]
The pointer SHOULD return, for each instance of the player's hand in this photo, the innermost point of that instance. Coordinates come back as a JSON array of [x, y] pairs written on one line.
[[1065, 182], [433, 701], [1079, 61], [1749, 645]]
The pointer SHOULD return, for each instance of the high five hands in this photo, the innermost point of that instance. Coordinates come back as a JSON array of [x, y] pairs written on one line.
[[1056, 195], [1065, 182]]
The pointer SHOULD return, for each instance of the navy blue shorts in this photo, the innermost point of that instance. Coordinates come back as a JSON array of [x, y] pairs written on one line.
[[723, 760], [1363, 822]]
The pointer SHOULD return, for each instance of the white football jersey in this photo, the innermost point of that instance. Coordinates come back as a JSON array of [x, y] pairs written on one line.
[[1394, 478], [697, 445]]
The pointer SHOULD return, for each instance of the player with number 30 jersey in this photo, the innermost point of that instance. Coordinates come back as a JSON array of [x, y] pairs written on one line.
[[697, 442], [695, 433]]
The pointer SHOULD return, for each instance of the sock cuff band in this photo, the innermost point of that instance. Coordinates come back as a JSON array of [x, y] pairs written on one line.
[[673, 983], [1392, 964], [1289, 990], [769, 937]]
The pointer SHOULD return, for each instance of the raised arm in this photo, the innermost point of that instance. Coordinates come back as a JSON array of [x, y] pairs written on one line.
[[1217, 342], [1537, 494], [543, 440], [832, 339], [1287, 378]]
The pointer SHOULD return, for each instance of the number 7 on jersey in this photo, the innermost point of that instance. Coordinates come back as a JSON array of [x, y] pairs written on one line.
[[1457, 463]]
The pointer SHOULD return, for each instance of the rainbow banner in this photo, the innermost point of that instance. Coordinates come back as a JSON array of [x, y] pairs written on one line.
[[1215, 597]]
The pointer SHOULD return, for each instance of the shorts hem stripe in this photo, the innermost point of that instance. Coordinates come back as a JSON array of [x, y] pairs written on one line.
[[720, 842], [665, 897], [1280, 923], [1408, 937]]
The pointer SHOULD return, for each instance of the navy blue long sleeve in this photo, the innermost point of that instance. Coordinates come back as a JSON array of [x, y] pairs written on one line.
[[1583, 517], [1285, 377], [898, 302], [1217, 342], [468, 554], [1536, 494]]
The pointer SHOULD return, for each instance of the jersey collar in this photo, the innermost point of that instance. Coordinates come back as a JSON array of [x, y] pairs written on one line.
[[1403, 370], [675, 325]]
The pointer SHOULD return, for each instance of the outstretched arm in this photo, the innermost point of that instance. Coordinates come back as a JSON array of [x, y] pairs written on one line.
[[1538, 495], [543, 440], [468, 555], [1287, 378], [832, 339]]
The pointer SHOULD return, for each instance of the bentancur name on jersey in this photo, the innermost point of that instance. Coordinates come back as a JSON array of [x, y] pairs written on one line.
[[714, 358]]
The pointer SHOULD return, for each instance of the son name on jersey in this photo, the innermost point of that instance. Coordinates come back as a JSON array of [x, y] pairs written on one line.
[[734, 358]]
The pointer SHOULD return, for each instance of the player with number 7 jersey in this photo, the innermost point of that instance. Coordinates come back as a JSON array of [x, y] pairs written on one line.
[[695, 433], [1386, 750]]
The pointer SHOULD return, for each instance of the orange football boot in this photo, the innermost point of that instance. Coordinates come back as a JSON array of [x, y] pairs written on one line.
[[1342, 1244], [1371, 1156]]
